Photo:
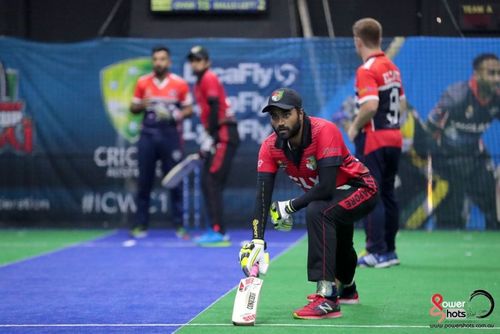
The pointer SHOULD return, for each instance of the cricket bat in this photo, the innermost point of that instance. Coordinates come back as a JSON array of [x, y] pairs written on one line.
[[175, 176], [247, 299]]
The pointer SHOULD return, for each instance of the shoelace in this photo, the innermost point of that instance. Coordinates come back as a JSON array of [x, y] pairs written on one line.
[[318, 300]]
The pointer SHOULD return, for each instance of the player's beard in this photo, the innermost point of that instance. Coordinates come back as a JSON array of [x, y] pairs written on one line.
[[160, 72], [286, 133], [488, 89]]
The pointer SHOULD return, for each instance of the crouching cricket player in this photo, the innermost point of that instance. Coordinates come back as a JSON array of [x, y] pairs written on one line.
[[339, 190]]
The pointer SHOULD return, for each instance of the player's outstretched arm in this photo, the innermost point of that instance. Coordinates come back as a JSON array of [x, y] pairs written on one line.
[[254, 251]]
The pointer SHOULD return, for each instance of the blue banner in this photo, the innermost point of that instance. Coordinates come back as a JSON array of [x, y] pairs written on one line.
[[67, 137]]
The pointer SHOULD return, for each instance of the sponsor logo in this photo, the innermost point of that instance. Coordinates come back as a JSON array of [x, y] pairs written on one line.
[[325, 307], [121, 203], [305, 183], [311, 163], [118, 82], [360, 195], [469, 112], [259, 74], [24, 204], [251, 301], [479, 306], [16, 127], [255, 224], [277, 95], [249, 317]]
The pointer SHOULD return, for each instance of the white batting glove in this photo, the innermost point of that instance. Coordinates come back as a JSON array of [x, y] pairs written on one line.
[[281, 217], [252, 253], [206, 143]]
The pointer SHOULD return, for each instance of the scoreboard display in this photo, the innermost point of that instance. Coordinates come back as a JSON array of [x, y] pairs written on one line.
[[208, 6], [481, 16]]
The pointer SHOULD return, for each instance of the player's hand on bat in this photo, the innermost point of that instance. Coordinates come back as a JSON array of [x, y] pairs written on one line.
[[254, 252], [281, 215]]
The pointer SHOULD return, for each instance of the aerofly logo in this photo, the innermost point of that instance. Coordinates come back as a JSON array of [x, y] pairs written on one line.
[[480, 305]]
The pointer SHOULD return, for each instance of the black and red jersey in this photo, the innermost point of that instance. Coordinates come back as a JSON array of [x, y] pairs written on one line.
[[209, 86], [322, 145], [379, 79]]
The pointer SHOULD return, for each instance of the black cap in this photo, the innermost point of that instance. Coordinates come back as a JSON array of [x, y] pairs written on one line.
[[198, 52], [284, 98]]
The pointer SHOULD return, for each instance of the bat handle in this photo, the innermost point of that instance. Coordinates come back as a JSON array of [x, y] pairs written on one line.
[[254, 272]]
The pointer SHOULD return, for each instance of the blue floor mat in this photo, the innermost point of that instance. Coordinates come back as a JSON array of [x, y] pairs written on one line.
[[160, 280]]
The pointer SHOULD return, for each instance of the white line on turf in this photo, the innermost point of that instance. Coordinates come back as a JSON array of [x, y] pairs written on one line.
[[298, 324], [290, 246]]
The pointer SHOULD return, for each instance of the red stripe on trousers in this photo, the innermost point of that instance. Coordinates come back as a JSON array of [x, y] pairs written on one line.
[[220, 154]]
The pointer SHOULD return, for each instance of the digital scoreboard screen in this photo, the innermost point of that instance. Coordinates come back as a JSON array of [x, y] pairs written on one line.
[[208, 6], [480, 15]]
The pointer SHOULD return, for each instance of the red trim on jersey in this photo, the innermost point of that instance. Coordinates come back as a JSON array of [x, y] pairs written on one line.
[[475, 90], [382, 138], [223, 133]]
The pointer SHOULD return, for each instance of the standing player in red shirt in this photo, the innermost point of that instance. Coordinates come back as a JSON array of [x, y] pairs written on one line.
[[165, 100], [378, 140], [338, 191], [218, 145]]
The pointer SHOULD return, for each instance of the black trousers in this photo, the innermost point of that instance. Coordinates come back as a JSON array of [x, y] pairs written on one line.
[[164, 146], [330, 227], [382, 224], [215, 171]]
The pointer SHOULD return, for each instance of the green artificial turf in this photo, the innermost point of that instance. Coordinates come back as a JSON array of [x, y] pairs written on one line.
[[393, 300], [16, 245]]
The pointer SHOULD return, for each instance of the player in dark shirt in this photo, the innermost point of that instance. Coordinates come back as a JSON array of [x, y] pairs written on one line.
[[378, 140], [338, 190], [218, 146], [463, 113]]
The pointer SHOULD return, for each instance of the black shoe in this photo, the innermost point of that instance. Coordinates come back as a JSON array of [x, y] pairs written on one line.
[[348, 294]]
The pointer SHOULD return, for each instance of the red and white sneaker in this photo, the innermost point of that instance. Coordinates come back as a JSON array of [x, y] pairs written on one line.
[[319, 308]]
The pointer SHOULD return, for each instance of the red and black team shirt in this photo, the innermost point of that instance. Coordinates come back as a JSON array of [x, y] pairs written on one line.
[[207, 87], [322, 146], [379, 79]]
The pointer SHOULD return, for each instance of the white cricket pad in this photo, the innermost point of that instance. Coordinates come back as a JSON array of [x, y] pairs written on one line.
[[246, 301]]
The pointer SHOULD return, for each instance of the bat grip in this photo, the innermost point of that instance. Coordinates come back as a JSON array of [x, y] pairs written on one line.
[[254, 272]]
